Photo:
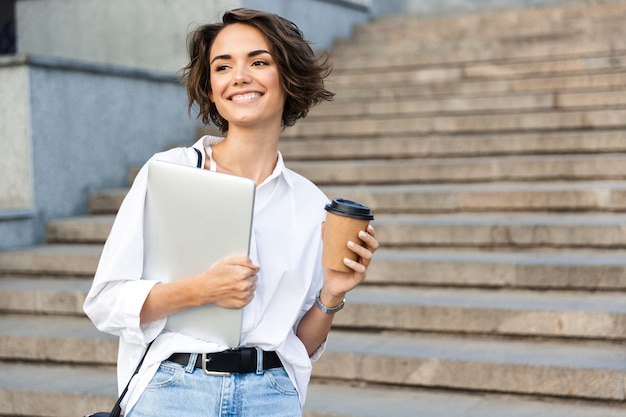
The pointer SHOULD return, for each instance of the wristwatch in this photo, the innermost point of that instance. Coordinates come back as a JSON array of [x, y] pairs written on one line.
[[328, 310]]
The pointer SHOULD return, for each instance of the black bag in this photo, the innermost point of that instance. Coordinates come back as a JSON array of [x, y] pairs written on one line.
[[117, 408]]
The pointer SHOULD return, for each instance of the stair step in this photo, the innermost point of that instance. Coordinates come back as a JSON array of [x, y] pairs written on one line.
[[43, 295], [537, 69], [61, 339], [572, 269], [462, 124], [107, 201], [409, 54], [80, 229], [520, 44], [517, 230], [56, 390], [494, 69], [584, 64], [83, 229], [415, 106], [564, 314], [478, 169], [437, 85], [441, 146], [542, 270], [543, 196], [69, 260], [530, 230], [591, 370], [333, 400], [59, 391]]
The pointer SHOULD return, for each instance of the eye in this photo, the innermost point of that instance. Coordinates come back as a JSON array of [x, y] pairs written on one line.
[[259, 63], [221, 68]]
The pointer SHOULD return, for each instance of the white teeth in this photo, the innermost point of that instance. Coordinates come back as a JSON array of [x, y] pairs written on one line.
[[245, 97]]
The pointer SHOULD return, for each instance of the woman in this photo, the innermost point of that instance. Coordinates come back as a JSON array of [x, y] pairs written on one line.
[[251, 75]]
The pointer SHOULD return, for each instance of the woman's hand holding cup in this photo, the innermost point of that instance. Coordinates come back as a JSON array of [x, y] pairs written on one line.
[[349, 244]]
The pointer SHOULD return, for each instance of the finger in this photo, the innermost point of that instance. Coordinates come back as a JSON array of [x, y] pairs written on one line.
[[355, 266], [253, 266], [364, 253], [245, 285], [252, 283], [236, 259], [369, 240], [241, 261], [251, 290]]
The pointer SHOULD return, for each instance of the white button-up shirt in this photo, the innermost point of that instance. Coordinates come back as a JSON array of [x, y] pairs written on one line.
[[285, 242]]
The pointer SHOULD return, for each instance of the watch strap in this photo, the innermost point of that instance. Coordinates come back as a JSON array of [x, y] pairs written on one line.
[[328, 310]]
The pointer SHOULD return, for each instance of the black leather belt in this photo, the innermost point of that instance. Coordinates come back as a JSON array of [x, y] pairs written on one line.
[[236, 361]]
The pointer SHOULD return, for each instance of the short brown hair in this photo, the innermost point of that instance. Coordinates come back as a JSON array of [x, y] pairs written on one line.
[[301, 72]]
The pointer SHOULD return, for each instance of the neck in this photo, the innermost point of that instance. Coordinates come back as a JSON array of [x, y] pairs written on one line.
[[247, 154]]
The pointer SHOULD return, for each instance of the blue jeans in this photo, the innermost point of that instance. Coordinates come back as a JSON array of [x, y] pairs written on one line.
[[183, 391]]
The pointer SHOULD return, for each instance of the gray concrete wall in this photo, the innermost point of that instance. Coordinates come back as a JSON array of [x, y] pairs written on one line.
[[17, 202], [151, 34], [146, 34], [16, 192], [85, 126]]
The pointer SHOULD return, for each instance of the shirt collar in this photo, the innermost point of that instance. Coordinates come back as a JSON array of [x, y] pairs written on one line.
[[279, 170]]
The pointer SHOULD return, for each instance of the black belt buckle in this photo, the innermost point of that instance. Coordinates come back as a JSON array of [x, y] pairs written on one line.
[[205, 360]]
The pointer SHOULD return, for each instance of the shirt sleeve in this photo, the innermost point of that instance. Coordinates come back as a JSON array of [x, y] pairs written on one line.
[[317, 277], [118, 293], [313, 290]]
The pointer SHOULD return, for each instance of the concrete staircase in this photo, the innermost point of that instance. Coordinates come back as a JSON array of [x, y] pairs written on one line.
[[491, 148]]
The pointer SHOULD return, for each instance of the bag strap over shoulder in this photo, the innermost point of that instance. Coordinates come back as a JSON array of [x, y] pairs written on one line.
[[199, 164]]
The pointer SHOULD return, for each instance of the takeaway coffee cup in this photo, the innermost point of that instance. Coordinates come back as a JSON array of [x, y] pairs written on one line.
[[344, 220]]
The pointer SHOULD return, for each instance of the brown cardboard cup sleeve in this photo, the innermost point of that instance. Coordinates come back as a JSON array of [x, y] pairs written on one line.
[[344, 220]]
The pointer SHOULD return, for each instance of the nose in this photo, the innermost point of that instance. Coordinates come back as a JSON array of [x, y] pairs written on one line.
[[241, 75]]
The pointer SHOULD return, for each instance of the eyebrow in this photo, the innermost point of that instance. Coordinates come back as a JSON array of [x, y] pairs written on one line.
[[250, 55]]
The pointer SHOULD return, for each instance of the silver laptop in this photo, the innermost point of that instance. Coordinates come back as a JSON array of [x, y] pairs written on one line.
[[195, 217]]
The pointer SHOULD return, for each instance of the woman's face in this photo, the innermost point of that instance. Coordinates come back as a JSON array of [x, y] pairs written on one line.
[[245, 79]]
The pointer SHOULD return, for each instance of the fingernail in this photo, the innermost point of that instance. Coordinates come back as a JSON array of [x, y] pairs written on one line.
[[347, 261], [351, 244], [362, 234]]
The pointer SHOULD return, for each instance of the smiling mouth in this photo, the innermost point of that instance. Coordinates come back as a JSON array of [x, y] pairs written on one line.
[[239, 98]]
